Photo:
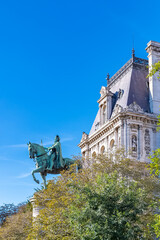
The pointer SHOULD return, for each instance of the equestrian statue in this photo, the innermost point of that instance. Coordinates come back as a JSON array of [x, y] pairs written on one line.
[[48, 160]]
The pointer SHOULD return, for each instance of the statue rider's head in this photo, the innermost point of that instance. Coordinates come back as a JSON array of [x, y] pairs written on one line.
[[57, 138]]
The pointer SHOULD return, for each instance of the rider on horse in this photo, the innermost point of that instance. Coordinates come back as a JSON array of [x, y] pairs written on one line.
[[55, 155]]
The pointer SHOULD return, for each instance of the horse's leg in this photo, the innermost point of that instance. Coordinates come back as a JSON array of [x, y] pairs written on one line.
[[41, 169], [44, 180]]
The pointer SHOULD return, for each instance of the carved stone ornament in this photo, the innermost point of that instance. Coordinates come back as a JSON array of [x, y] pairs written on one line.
[[117, 109], [84, 136], [103, 91], [134, 107], [147, 141]]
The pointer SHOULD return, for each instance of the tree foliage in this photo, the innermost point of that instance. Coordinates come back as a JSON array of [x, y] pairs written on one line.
[[154, 69], [7, 210], [155, 162], [107, 195], [111, 209], [17, 225]]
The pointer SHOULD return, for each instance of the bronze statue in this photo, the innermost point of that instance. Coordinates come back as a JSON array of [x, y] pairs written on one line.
[[52, 163]]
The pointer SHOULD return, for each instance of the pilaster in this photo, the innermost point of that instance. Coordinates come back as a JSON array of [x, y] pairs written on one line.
[[140, 142]]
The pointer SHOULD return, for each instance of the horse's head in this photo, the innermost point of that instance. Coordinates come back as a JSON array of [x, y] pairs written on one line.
[[32, 150]]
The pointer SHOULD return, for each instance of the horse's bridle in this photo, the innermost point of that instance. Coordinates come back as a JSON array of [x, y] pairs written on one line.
[[42, 154]]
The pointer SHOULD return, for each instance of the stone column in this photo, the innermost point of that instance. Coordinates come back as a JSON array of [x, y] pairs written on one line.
[[87, 152], [122, 134], [140, 142], [128, 138], [106, 143], [125, 134], [97, 148], [36, 208], [153, 139], [116, 137]]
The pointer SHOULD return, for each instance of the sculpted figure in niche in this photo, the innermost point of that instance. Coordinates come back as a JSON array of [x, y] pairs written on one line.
[[134, 143]]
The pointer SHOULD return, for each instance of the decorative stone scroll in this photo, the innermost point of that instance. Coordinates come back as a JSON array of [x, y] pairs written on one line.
[[134, 107], [103, 91], [147, 141], [84, 136], [117, 109]]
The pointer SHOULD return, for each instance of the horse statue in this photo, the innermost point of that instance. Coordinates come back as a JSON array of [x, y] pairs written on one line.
[[52, 163]]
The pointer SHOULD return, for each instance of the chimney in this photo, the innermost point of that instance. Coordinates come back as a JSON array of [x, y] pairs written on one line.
[[153, 50]]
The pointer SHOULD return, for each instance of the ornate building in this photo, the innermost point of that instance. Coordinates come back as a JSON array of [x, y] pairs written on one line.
[[128, 109]]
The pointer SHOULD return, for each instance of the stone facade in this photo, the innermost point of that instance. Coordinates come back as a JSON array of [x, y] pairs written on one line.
[[128, 109]]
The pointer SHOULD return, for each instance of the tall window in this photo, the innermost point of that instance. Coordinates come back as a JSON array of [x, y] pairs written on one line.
[[104, 114], [102, 150], [112, 144]]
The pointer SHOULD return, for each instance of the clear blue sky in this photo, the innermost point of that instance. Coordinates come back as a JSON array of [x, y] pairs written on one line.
[[54, 58]]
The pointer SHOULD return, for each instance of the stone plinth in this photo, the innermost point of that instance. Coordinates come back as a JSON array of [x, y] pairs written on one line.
[[36, 209]]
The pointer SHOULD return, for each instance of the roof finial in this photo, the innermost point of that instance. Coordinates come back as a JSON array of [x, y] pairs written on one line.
[[133, 53]]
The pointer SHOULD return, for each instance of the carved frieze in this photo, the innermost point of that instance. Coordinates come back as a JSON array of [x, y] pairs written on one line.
[[134, 143], [147, 141]]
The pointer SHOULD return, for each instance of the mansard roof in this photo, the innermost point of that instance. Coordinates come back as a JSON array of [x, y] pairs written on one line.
[[132, 82], [129, 85]]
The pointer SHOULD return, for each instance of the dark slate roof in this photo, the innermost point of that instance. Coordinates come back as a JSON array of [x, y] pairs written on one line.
[[132, 82]]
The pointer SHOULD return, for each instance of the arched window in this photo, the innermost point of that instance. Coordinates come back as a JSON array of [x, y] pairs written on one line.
[[102, 150], [111, 143]]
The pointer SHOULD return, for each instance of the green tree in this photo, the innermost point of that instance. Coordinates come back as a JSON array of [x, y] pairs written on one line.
[[16, 226], [154, 69], [65, 199], [109, 208], [7, 210]]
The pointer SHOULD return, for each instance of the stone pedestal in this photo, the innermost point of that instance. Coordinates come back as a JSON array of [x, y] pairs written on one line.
[[36, 209]]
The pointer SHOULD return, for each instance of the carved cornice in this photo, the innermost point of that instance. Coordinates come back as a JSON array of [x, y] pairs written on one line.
[[132, 112], [152, 48]]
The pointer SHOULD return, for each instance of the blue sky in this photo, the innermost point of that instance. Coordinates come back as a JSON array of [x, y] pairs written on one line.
[[54, 58]]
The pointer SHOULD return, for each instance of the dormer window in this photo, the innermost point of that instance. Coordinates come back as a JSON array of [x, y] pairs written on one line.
[[120, 93]]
